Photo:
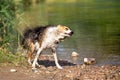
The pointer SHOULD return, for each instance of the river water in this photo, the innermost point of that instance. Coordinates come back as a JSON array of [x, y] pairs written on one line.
[[96, 26]]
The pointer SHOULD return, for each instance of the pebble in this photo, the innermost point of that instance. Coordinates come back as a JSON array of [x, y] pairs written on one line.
[[89, 61], [13, 70], [74, 54]]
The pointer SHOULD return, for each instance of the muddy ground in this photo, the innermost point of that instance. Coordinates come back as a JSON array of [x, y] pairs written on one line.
[[70, 71]]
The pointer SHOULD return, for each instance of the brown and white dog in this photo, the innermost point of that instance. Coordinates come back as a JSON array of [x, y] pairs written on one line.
[[40, 38]]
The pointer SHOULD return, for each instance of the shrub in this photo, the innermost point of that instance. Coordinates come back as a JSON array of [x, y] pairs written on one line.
[[8, 33]]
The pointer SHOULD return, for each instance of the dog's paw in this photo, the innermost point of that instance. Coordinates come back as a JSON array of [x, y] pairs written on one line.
[[35, 70], [29, 62], [38, 64], [59, 67]]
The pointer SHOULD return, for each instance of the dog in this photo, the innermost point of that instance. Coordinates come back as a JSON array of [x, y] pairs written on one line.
[[37, 39]]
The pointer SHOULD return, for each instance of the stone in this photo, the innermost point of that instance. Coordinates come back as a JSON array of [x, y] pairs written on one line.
[[74, 54], [89, 61], [13, 70]]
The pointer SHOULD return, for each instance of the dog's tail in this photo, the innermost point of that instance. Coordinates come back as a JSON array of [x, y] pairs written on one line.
[[26, 38], [23, 44]]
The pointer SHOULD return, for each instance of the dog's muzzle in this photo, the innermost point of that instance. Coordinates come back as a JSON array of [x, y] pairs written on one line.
[[71, 33]]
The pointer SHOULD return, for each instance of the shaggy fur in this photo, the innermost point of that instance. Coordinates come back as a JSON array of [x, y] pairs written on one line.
[[40, 38]]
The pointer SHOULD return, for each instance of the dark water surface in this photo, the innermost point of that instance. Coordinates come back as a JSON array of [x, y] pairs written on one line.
[[96, 26]]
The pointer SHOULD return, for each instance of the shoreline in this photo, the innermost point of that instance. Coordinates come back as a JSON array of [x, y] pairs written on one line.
[[70, 71], [76, 72]]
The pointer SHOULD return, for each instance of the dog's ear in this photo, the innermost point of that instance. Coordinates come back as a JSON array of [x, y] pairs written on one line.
[[58, 26], [62, 28]]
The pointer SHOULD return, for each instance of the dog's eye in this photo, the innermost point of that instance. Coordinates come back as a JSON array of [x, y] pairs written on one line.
[[66, 29]]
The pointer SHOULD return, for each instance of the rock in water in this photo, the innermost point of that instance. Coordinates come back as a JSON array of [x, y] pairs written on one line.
[[89, 61], [74, 54]]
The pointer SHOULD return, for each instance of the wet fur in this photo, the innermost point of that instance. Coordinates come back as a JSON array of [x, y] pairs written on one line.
[[40, 38]]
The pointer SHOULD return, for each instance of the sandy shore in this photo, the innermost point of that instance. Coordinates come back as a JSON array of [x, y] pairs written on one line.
[[48, 71]]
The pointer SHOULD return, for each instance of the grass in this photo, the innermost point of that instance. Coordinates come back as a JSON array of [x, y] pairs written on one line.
[[8, 32], [7, 57]]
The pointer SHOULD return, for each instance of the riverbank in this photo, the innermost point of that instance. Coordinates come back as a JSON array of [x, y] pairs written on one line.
[[70, 71]]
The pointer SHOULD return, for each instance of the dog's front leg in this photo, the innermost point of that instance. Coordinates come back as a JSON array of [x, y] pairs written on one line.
[[56, 59], [36, 58]]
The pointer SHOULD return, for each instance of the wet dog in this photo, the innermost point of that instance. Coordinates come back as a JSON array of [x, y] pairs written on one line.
[[40, 38]]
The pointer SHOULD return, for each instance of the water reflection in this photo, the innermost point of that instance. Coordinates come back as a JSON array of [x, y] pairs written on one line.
[[96, 27]]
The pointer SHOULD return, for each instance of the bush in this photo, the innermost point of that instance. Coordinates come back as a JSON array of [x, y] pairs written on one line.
[[7, 18], [8, 33]]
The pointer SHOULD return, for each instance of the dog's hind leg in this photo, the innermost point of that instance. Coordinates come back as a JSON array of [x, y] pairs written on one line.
[[30, 53], [29, 57], [56, 59]]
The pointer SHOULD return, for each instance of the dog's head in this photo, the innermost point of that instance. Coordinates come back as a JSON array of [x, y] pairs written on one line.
[[64, 31]]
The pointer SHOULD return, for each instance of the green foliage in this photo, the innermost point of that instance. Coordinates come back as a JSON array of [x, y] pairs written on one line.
[[8, 57], [9, 10], [7, 17]]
